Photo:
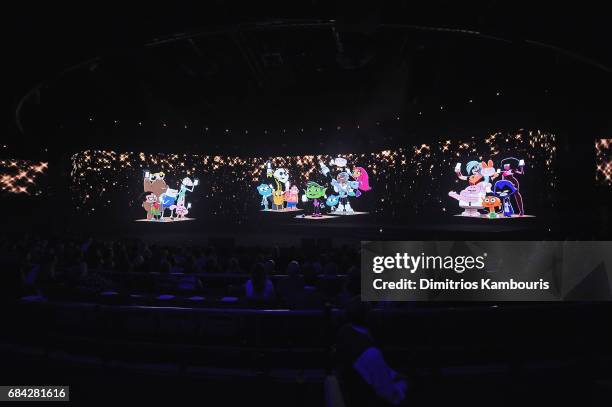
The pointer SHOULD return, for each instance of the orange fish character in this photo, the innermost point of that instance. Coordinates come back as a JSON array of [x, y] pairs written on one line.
[[491, 203]]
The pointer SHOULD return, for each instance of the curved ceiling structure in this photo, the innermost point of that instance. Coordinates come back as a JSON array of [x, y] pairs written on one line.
[[298, 82]]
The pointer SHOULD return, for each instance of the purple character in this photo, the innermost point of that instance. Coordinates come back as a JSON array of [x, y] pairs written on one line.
[[510, 167]]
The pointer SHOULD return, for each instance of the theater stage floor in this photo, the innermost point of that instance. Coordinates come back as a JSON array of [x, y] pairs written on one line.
[[286, 230], [283, 229]]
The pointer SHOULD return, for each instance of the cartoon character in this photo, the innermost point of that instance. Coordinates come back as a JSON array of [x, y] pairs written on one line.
[[281, 178], [361, 176], [510, 167], [504, 189], [491, 202], [345, 188], [339, 162], [342, 185], [315, 192], [487, 170], [278, 199], [156, 211], [181, 210], [155, 184], [470, 199], [488, 173], [291, 196], [265, 191], [151, 206], [332, 201], [186, 185], [168, 201], [473, 168]]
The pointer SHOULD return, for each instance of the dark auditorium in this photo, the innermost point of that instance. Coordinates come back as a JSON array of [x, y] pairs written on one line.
[[307, 203]]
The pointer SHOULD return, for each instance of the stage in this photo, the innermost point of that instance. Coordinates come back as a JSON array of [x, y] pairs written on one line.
[[289, 229]]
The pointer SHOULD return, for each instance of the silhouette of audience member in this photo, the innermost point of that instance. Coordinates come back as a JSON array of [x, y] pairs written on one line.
[[259, 287], [233, 266], [328, 283], [212, 265], [293, 271], [351, 286], [291, 289], [270, 267], [123, 260], [365, 377], [47, 279]]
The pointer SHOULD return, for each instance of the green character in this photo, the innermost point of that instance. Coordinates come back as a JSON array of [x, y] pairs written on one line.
[[315, 192]]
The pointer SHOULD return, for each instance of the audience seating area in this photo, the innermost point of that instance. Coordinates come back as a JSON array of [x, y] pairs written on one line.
[[201, 290], [131, 272], [433, 341], [178, 326]]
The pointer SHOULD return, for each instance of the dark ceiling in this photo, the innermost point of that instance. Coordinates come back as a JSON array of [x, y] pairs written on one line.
[[233, 75]]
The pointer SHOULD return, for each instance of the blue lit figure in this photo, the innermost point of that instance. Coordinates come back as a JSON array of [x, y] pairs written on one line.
[[186, 185], [168, 200], [265, 191], [332, 201], [473, 168], [344, 187], [504, 190]]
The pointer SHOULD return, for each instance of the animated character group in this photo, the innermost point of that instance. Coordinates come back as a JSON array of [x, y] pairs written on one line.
[[161, 199], [285, 196], [496, 198], [500, 197]]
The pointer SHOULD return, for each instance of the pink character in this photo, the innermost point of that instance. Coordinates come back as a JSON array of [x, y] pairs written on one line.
[[291, 196], [180, 210], [470, 199], [361, 176]]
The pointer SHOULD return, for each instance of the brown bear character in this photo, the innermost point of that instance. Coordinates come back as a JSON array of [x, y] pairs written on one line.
[[155, 184]]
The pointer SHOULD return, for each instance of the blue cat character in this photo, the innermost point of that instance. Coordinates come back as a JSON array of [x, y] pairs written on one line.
[[265, 191], [504, 190], [332, 201], [168, 201]]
